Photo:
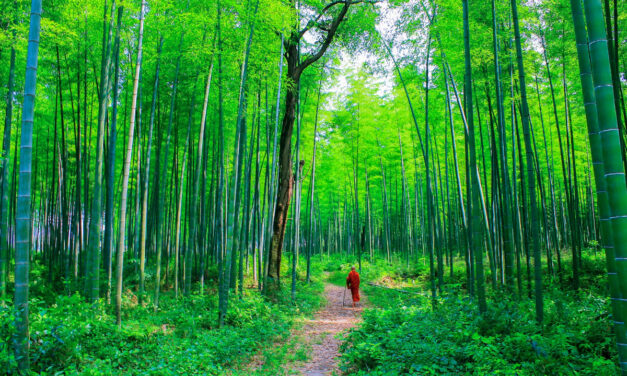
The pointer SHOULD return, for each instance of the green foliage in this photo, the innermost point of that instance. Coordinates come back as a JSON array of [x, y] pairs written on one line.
[[404, 335], [361, 120], [74, 337]]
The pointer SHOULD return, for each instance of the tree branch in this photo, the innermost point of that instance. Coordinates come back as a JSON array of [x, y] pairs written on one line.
[[328, 39], [314, 22]]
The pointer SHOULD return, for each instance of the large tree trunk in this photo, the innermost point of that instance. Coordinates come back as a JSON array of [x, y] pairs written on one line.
[[284, 192]]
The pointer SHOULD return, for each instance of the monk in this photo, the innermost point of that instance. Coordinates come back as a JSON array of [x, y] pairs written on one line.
[[352, 283]]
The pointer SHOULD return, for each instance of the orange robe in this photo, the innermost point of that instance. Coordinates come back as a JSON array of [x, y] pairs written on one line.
[[352, 282]]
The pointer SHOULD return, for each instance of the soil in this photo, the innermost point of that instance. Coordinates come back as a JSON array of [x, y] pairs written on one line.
[[323, 333]]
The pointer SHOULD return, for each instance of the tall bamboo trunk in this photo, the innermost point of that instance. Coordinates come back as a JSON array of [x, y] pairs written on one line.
[[4, 179], [95, 221], [474, 229], [161, 224], [144, 210], [23, 215], [535, 228], [110, 194], [111, 160], [193, 220], [126, 172], [611, 149], [507, 222]]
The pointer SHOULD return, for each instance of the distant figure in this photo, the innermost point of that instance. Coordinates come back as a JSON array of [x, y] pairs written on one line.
[[352, 283]]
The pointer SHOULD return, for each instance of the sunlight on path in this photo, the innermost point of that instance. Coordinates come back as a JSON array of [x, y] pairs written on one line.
[[320, 332]]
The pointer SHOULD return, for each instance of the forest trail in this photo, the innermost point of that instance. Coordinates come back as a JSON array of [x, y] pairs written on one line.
[[320, 332]]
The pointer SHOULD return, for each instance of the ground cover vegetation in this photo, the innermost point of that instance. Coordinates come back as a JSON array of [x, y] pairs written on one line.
[[70, 336], [403, 334], [179, 173]]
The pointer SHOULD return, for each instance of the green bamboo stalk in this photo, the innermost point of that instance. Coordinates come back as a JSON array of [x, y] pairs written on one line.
[[23, 215], [612, 159], [507, 221], [95, 224], [111, 160], [144, 210], [160, 232], [474, 230], [535, 228], [193, 217], [4, 179]]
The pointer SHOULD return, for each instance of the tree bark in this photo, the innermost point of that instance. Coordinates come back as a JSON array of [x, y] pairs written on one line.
[[284, 191]]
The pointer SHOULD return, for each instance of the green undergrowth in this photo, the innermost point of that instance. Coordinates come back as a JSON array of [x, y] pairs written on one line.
[[71, 337], [404, 333], [376, 271]]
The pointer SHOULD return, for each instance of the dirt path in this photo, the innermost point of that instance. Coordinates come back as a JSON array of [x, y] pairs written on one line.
[[320, 332]]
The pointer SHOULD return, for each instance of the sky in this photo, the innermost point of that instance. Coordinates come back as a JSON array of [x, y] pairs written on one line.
[[353, 61]]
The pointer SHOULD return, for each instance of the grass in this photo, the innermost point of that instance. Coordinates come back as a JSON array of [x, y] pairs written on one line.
[[403, 333], [72, 337], [409, 334]]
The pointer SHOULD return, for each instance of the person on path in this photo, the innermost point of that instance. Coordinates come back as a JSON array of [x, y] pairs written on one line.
[[352, 283]]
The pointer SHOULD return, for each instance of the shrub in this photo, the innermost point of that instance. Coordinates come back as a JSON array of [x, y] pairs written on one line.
[[407, 335]]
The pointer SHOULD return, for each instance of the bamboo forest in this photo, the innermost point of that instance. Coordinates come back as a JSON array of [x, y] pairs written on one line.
[[313, 187]]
